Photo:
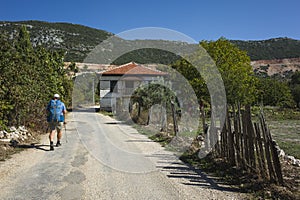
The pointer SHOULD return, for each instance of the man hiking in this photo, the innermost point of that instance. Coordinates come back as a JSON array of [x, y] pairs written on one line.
[[56, 111]]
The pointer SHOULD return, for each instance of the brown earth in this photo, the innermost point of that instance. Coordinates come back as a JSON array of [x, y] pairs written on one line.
[[283, 67]]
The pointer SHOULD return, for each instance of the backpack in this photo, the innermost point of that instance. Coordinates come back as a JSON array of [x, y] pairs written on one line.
[[54, 109]]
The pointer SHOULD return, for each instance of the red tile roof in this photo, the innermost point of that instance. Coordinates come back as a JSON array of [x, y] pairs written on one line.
[[133, 69]]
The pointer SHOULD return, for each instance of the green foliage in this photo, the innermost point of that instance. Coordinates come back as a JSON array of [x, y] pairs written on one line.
[[273, 92], [194, 77], [147, 96], [276, 48], [75, 40], [295, 87], [147, 55], [29, 77], [295, 79], [236, 71], [152, 94]]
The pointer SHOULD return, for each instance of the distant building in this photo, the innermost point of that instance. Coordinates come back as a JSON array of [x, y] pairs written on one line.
[[118, 84]]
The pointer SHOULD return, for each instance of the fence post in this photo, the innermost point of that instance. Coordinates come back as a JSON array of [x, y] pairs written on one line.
[[267, 148], [250, 133], [245, 140], [237, 134], [261, 155], [230, 139], [276, 161]]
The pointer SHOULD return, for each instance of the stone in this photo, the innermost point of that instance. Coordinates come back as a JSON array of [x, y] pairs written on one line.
[[5, 134], [5, 140], [297, 163], [15, 135], [281, 153], [12, 129], [23, 129], [1, 134], [289, 158]]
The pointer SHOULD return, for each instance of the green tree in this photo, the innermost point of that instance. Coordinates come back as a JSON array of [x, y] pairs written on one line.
[[273, 92], [29, 77], [194, 77], [236, 71], [147, 96], [295, 79], [5, 104], [295, 87]]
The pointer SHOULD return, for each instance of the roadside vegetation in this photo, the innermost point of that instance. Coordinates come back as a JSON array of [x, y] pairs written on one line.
[[29, 77]]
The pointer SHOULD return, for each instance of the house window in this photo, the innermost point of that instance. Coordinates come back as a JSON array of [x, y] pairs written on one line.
[[129, 84], [113, 86], [129, 87]]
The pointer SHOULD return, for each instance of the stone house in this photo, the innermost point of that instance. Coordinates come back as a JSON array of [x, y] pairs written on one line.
[[118, 84]]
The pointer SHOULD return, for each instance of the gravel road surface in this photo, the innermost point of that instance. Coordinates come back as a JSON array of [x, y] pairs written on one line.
[[104, 159]]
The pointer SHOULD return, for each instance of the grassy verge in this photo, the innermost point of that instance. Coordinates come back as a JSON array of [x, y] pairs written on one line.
[[284, 125], [287, 135], [238, 179]]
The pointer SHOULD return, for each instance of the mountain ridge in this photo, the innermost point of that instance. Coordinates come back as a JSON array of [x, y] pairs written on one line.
[[78, 40]]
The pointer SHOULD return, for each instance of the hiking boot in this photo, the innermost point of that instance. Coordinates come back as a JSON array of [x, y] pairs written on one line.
[[51, 147], [58, 144]]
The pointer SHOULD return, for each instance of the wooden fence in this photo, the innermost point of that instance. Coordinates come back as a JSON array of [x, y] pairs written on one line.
[[249, 145]]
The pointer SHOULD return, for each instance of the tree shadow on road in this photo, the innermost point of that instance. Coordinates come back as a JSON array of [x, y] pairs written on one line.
[[34, 146], [188, 175]]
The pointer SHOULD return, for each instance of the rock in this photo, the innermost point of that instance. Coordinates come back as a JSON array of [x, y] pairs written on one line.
[[22, 129], [1, 134], [297, 163], [5, 140], [268, 194], [5, 134], [12, 129], [289, 158], [292, 160], [200, 138], [281, 153], [15, 135]]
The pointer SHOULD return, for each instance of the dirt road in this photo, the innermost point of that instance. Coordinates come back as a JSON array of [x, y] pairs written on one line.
[[104, 159]]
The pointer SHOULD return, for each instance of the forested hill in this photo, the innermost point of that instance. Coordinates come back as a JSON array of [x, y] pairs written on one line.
[[78, 41], [275, 48]]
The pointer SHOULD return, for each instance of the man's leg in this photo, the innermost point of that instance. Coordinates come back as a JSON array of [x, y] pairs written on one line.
[[59, 133], [51, 135]]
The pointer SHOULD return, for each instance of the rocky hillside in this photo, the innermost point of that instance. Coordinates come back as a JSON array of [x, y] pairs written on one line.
[[281, 68], [75, 40]]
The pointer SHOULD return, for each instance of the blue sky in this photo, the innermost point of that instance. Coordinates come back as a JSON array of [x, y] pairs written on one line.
[[200, 20]]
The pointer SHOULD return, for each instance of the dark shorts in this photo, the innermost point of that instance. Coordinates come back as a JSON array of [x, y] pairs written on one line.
[[56, 126]]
